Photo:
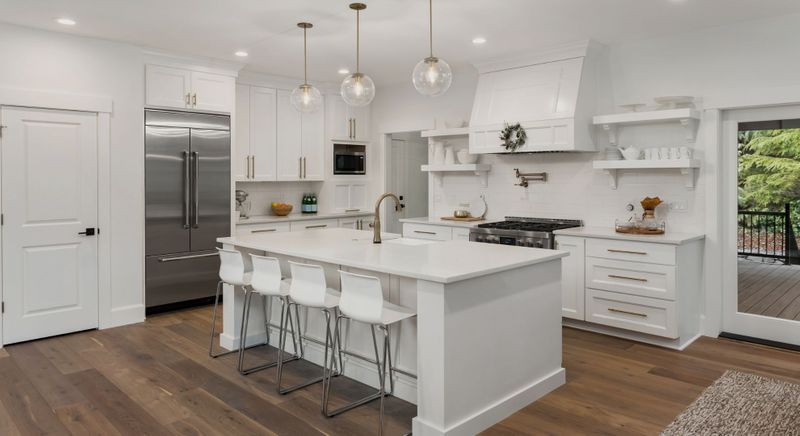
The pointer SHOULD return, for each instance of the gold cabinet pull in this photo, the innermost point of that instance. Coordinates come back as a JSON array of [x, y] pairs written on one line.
[[300, 168], [627, 312], [612, 250], [253, 165], [194, 100], [263, 230], [318, 226], [614, 276], [188, 99]]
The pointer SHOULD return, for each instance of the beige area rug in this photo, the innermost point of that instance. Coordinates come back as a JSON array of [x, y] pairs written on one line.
[[742, 404]]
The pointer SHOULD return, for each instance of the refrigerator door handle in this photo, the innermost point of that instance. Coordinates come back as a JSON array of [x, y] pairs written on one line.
[[195, 256], [195, 177], [186, 189]]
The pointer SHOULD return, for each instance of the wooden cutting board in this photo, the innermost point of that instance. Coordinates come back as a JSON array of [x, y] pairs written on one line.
[[465, 220]]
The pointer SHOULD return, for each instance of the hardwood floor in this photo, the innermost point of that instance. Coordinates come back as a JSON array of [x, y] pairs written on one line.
[[769, 289], [155, 378]]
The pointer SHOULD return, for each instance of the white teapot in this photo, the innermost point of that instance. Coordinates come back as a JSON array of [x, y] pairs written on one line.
[[630, 153]]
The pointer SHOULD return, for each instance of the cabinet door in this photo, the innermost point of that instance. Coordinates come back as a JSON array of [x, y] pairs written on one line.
[[241, 152], [289, 143], [337, 116], [358, 196], [313, 145], [361, 118], [349, 223], [213, 92], [263, 133], [572, 276], [167, 87]]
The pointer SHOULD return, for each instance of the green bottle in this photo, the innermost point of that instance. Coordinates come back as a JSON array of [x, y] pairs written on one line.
[[304, 208], [313, 203]]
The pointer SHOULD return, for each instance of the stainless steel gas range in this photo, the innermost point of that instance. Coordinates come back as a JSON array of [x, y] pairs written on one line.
[[521, 231]]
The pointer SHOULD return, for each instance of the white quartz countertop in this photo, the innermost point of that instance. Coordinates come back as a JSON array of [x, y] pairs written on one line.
[[673, 238], [264, 219], [436, 221], [442, 262]]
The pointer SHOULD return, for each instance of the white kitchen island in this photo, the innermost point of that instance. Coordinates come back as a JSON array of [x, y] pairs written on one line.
[[487, 338]]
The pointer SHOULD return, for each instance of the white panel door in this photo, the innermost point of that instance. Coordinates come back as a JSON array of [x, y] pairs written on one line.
[[361, 118], [289, 142], [263, 133], [313, 145], [49, 191], [241, 153], [213, 92], [572, 276], [168, 87]]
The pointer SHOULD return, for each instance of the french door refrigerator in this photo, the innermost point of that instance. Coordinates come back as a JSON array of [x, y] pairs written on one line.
[[187, 204]]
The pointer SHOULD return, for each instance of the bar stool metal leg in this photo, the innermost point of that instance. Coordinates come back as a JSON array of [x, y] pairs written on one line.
[[214, 326], [328, 344], [245, 324]]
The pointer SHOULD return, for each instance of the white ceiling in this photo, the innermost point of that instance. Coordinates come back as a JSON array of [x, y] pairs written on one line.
[[393, 32]]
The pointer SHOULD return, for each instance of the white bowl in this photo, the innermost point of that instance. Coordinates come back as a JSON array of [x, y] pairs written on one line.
[[465, 158]]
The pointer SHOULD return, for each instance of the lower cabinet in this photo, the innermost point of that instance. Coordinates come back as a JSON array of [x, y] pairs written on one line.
[[651, 291], [357, 223], [434, 232], [313, 224], [249, 229]]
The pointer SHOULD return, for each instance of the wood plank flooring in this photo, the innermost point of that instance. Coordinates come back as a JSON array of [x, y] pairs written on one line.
[[769, 289], [156, 379]]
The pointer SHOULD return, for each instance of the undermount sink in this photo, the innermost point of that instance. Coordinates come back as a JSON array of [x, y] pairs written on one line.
[[409, 241]]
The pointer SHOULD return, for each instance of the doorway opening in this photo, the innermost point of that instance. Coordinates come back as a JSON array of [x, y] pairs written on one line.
[[405, 154], [768, 218]]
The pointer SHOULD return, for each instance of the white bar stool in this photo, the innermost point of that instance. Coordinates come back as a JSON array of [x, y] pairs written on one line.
[[266, 281], [309, 289], [362, 301], [231, 272]]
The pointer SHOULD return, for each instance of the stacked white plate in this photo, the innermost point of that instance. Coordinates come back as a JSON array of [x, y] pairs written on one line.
[[613, 153]]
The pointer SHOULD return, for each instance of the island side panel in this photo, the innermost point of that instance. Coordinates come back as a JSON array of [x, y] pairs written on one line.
[[487, 347]]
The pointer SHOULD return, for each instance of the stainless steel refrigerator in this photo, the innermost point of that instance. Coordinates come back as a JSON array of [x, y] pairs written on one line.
[[187, 204]]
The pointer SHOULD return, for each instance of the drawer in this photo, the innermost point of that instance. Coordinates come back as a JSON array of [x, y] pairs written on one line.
[[421, 231], [633, 251], [636, 278], [460, 234], [313, 224], [249, 229], [630, 312]]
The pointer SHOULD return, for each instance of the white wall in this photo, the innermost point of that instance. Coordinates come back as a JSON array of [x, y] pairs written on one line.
[[34, 59]]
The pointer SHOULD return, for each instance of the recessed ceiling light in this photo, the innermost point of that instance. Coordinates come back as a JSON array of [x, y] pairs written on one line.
[[479, 40], [242, 54], [66, 21], [344, 71]]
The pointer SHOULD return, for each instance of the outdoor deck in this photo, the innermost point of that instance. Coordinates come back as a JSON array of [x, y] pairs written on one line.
[[770, 289]]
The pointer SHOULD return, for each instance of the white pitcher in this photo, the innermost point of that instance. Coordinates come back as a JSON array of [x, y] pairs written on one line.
[[438, 153]]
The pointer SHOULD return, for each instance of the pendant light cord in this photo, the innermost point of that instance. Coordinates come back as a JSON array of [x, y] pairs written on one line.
[[358, 43], [430, 16], [305, 56]]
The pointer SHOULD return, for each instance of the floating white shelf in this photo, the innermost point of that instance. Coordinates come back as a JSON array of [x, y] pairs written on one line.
[[480, 170], [687, 167], [437, 133], [687, 117]]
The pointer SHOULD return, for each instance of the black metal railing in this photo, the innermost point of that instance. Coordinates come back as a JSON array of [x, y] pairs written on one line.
[[767, 234]]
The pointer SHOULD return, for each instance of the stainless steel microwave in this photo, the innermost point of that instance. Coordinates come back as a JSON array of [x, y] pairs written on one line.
[[349, 159]]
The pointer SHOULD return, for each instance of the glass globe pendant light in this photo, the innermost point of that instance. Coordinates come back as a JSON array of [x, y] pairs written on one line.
[[306, 98], [432, 76], [358, 89]]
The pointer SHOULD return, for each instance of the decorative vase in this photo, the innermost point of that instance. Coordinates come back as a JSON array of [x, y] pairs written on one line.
[[449, 156], [438, 153]]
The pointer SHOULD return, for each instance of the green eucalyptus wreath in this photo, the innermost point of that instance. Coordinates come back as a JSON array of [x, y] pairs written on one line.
[[513, 137]]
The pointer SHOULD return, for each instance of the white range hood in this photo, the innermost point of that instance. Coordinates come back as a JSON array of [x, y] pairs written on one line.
[[553, 95]]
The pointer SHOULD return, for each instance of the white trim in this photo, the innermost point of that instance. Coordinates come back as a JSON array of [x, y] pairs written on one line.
[[711, 318], [679, 344], [496, 412], [744, 98], [45, 99], [125, 315], [193, 63]]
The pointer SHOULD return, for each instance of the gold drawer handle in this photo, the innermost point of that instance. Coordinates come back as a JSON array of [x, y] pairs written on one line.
[[613, 276], [627, 312], [263, 230], [611, 250]]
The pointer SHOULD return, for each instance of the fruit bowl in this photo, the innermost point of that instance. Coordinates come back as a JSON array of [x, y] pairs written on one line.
[[281, 209]]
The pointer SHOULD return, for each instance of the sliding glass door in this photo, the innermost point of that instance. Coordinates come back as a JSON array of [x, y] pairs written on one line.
[[761, 163]]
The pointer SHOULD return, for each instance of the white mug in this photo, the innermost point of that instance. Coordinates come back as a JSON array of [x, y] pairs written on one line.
[[675, 153], [664, 153], [685, 153], [651, 153]]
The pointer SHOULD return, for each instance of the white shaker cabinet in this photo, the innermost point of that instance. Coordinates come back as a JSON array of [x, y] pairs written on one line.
[[300, 141], [255, 154], [182, 88], [312, 139], [347, 123], [350, 197], [572, 276]]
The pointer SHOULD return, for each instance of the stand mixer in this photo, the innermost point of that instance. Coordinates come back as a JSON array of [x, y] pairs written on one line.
[[242, 204]]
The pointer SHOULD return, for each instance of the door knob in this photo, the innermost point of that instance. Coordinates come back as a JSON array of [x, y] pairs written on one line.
[[90, 231]]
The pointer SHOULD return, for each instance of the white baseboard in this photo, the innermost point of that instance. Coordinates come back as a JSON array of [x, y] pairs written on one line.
[[496, 412], [405, 387], [676, 344], [133, 314]]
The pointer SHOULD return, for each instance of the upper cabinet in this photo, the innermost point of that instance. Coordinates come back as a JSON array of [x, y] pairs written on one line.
[[256, 140], [553, 97], [347, 123], [180, 88]]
